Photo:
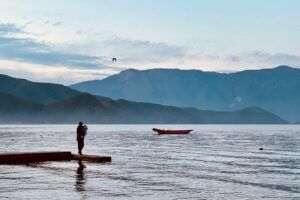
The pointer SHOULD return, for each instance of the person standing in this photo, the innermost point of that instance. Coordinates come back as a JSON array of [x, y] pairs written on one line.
[[81, 133]]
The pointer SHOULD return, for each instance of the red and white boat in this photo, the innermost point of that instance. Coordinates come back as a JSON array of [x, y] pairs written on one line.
[[160, 131]]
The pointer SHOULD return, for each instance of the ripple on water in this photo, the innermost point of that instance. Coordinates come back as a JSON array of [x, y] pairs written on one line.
[[214, 162]]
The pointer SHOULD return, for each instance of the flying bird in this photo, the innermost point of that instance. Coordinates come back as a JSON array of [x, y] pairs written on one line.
[[114, 59]]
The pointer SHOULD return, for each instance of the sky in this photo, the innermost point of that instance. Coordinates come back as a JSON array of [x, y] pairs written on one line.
[[68, 41]]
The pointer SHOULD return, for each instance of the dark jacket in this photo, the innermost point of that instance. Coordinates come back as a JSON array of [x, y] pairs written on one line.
[[80, 133]]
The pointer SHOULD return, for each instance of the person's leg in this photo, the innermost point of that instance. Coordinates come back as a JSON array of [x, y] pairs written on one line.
[[80, 146]]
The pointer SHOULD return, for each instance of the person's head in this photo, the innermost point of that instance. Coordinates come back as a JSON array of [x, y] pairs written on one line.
[[80, 123]]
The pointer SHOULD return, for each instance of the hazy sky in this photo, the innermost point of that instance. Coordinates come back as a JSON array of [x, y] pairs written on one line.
[[67, 41]]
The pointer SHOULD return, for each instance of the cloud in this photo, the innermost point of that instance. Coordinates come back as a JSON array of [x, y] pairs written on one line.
[[240, 61], [92, 58], [259, 57], [230, 62], [9, 28], [134, 52], [78, 32], [57, 74], [32, 51], [57, 23], [143, 51], [145, 54], [48, 22]]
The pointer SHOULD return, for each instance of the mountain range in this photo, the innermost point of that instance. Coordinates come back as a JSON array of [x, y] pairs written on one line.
[[23, 101], [33, 91], [276, 90]]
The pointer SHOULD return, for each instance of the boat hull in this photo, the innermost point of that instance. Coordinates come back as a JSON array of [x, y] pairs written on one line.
[[179, 132]]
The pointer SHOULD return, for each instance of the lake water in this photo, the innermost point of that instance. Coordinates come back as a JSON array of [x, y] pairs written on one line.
[[214, 162]]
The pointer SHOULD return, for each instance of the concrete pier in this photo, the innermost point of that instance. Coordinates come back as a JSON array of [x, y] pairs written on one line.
[[91, 158], [33, 157]]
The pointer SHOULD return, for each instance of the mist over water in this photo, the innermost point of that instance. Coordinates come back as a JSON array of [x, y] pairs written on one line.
[[214, 162]]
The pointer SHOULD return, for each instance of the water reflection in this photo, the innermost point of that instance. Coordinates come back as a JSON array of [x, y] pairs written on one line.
[[80, 177]]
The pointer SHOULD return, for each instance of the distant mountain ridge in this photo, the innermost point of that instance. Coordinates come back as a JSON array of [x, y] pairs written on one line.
[[23, 101], [276, 90], [34, 91], [92, 109]]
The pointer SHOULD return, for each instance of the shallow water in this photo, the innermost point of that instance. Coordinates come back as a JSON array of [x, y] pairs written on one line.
[[214, 162]]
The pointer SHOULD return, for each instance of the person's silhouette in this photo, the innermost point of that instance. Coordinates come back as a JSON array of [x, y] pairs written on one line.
[[114, 59], [81, 132]]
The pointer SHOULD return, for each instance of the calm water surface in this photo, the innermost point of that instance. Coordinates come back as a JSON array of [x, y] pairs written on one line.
[[214, 162]]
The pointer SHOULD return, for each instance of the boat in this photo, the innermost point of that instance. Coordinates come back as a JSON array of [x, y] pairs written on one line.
[[160, 131]]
